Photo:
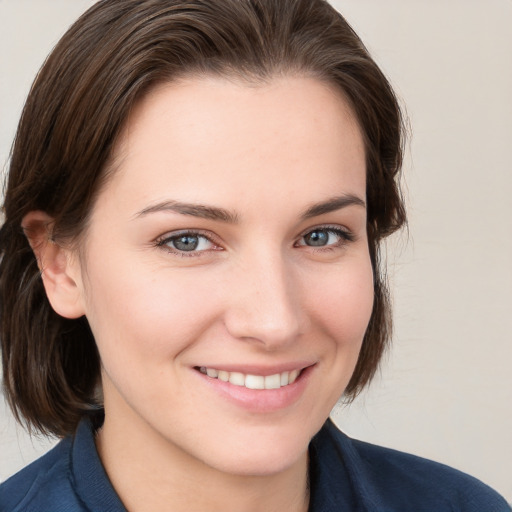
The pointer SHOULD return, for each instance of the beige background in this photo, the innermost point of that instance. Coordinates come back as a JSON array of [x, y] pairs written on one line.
[[445, 390]]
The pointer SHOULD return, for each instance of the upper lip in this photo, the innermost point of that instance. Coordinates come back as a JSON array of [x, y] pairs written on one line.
[[263, 370]]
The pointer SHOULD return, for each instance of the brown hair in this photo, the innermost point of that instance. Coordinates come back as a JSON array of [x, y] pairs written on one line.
[[76, 108]]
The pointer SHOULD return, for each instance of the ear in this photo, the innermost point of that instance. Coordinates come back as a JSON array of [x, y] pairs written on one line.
[[59, 266]]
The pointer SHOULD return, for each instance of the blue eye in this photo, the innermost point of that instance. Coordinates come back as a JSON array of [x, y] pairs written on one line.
[[317, 238], [187, 242], [325, 237]]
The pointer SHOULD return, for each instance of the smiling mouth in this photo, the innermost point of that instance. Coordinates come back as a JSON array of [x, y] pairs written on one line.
[[275, 381]]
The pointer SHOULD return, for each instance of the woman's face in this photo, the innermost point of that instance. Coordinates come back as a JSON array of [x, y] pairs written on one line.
[[228, 252]]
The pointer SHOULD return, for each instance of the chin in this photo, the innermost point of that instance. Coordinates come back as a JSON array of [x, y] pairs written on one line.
[[261, 454], [265, 464]]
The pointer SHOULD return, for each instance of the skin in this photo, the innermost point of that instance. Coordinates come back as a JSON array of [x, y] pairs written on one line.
[[255, 297]]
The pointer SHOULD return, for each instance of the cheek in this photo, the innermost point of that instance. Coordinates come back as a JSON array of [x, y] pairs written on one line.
[[340, 309], [342, 304], [140, 318]]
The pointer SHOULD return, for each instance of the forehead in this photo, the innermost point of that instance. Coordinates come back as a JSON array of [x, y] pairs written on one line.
[[208, 137]]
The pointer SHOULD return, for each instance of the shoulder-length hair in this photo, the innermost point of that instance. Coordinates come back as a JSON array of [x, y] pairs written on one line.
[[105, 63]]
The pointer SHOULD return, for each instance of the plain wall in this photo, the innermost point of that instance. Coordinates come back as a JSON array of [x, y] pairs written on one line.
[[445, 389]]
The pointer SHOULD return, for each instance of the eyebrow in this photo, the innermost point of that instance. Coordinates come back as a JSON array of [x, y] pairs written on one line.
[[194, 210], [333, 204], [221, 214]]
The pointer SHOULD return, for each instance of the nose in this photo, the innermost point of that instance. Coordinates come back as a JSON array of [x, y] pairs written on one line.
[[264, 303]]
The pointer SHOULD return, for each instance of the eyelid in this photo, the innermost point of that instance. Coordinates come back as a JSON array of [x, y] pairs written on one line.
[[329, 227], [162, 240], [346, 234]]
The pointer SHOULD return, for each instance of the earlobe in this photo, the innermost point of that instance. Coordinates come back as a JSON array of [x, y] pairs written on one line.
[[59, 267]]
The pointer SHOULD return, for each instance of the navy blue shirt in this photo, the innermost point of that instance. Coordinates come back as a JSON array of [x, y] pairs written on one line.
[[345, 475]]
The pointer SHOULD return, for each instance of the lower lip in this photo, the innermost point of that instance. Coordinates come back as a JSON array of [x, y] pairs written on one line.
[[260, 400]]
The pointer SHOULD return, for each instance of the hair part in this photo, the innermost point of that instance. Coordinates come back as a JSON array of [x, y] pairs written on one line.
[[63, 153]]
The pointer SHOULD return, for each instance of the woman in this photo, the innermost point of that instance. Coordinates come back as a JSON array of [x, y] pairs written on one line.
[[190, 275]]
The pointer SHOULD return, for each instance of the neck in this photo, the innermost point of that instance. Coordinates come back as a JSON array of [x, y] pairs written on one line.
[[151, 473]]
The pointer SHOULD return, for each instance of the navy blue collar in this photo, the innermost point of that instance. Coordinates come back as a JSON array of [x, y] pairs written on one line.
[[335, 473], [90, 480]]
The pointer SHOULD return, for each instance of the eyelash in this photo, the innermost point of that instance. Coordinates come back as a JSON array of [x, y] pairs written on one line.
[[344, 235], [163, 243]]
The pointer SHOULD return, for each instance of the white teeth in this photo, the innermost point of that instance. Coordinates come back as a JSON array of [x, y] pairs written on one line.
[[254, 382], [238, 379], [275, 381], [223, 375]]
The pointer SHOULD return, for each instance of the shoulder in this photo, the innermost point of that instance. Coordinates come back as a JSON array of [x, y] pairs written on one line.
[[407, 478], [43, 485], [396, 481]]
